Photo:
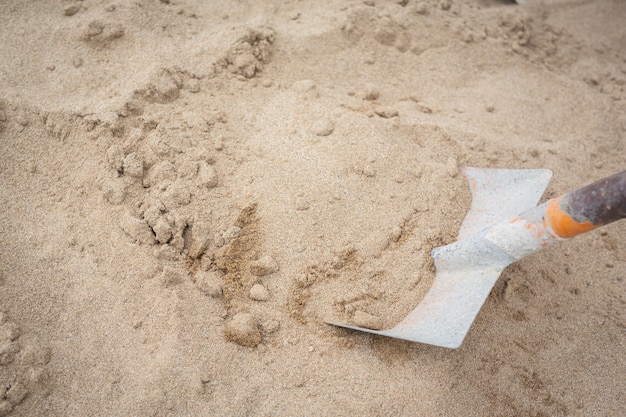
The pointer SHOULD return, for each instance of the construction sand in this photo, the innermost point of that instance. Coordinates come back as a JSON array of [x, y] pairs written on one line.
[[189, 189]]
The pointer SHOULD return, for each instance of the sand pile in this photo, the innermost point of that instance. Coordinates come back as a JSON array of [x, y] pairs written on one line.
[[188, 190]]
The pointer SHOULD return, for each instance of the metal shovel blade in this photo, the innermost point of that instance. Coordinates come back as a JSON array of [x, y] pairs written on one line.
[[467, 269]]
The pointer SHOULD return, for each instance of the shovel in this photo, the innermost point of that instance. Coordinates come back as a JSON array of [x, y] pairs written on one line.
[[503, 226]]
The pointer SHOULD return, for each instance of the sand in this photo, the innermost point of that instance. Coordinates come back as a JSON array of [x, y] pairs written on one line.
[[189, 189]]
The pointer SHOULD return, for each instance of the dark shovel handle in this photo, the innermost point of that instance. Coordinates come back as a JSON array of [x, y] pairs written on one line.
[[589, 207]]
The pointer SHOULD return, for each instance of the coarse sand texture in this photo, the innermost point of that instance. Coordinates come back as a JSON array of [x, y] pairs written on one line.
[[189, 189]]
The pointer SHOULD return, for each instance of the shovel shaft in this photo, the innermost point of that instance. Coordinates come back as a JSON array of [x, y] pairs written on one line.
[[589, 207], [563, 217]]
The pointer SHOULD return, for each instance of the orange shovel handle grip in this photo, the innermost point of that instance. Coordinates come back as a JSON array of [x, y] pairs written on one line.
[[589, 207]]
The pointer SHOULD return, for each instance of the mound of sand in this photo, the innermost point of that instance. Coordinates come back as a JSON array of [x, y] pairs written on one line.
[[189, 189]]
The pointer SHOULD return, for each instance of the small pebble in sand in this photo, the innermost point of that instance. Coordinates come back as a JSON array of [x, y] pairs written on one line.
[[302, 204], [177, 242], [115, 157], [386, 112], [172, 276], [133, 166], [370, 93], [259, 293], [137, 229], [176, 195], [103, 32], [322, 127], [243, 330], [207, 175], [365, 170], [71, 9], [218, 144], [209, 283], [197, 238], [421, 8], [165, 89], [163, 230], [263, 266], [369, 321]]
